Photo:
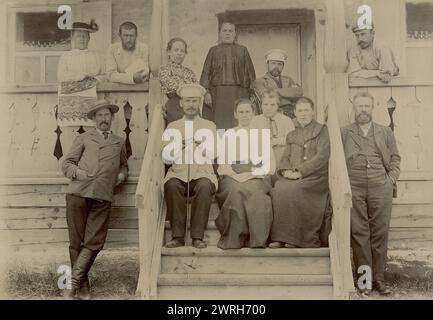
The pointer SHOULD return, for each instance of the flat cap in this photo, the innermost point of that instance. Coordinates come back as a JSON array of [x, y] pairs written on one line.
[[191, 90], [276, 55]]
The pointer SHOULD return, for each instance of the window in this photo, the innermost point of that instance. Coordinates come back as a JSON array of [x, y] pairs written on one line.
[[419, 21], [37, 46]]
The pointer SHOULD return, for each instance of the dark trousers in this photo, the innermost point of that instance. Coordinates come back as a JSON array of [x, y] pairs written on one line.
[[87, 222], [201, 192], [370, 218]]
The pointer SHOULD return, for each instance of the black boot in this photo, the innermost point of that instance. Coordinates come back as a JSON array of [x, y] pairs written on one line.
[[81, 268], [73, 255]]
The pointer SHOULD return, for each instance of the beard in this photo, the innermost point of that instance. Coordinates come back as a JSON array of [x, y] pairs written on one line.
[[363, 118], [275, 72], [128, 48]]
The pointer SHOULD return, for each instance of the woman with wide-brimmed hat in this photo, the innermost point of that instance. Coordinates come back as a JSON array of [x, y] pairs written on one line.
[[79, 62]]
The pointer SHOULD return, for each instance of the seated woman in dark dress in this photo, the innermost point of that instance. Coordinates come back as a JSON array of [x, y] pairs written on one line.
[[246, 210], [300, 195]]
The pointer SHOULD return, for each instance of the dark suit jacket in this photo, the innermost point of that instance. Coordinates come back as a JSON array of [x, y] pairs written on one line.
[[385, 141], [104, 159]]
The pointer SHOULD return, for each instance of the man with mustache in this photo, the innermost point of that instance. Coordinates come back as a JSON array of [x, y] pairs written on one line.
[[373, 164], [200, 178], [368, 59], [127, 61], [273, 79], [96, 164]]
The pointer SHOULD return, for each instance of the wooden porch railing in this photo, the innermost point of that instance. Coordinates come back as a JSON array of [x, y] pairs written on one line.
[[149, 196], [151, 210], [336, 98]]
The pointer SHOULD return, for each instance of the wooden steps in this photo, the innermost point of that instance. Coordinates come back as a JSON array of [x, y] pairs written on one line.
[[241, 286], [188, 260], [212, 273]]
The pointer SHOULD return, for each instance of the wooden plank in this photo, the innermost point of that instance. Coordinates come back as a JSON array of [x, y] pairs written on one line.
[[245, 292], [410, 238], [45, 199], [245, 265], [243, 280], [50, 88], [412, 216], [55, 218], [51, 186], [395, 82], [414, 192], [117, 237]]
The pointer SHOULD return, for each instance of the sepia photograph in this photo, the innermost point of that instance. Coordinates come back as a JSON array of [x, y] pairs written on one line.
[[215, 150]]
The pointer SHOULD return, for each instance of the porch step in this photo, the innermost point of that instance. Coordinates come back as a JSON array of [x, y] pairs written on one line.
[[212, 260], [244, 286]]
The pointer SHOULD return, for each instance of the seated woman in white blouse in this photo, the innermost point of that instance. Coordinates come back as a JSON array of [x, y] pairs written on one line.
[[245, 216]]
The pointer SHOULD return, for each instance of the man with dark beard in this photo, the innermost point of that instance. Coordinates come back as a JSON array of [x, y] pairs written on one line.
[[127, 61], [274, 79], [373, 164]]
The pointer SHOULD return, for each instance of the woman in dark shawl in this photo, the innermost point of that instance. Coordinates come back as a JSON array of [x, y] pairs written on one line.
[[300, 195], [228, 74], [245, 206]]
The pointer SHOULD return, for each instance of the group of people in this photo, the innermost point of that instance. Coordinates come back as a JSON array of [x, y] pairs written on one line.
[[255, 210], [286, 207]]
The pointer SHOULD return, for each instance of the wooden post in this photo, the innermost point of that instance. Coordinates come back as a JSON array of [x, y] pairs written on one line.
[[157, 56], [149, 200], [336, 99]]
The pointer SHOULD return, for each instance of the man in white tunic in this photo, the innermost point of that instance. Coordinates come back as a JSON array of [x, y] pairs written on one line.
[[79, 63], [201, 177], [127, 61]]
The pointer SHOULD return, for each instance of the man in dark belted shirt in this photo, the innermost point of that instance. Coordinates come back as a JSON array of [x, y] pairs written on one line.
[[95, 164], [373, 164]]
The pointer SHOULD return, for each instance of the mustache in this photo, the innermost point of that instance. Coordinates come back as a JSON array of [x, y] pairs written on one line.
[[104, 122]]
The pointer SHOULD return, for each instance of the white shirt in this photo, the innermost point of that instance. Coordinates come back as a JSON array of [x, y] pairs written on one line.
[[121, 64], [197, 171], [76, 64]]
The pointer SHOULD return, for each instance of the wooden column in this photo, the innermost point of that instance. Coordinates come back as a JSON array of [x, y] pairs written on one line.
[[336, 99], [157, 51], [149, 199]]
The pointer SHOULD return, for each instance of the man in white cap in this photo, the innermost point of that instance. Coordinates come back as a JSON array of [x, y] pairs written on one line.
[[200, 179], [79, 63], [369, 59], [96, 164], [273, 79]]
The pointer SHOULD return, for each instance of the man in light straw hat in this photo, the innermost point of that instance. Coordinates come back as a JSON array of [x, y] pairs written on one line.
[[96, 163], [369, 59], [189, 179], [273, 79], [79, 62]]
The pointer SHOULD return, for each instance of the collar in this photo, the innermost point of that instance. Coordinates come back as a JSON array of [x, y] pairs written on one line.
[[197, 118], [365, 128], [101, 132]]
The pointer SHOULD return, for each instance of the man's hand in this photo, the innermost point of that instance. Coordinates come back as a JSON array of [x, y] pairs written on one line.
[[208, 98], [140, 76], [292, 175], [385, 77], [120, 178], [82, 175], [164, 111]]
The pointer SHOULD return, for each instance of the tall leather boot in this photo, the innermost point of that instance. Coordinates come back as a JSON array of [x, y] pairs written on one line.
[[81, 268], [73, 255]]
